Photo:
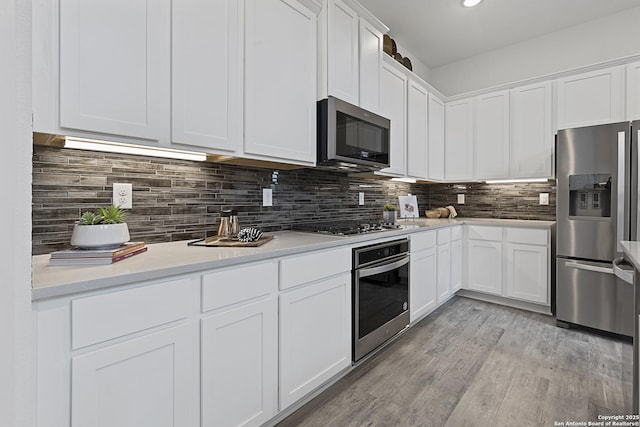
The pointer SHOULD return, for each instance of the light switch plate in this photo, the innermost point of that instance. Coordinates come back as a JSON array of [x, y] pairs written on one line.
[[544, 198], [461, 199], [361, 198], [267, 197]]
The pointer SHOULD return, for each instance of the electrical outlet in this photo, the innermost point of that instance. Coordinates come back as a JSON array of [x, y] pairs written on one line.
[[544, 198], [361, 198], [461, 199], [123, 195], [267, 197]]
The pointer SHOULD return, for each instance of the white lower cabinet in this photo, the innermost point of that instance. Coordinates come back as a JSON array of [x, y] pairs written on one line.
[[121, 358], [239, 345], [315, 336], [509, 262], [456, 266], [443, 259], [239, 365], [422, 275], [147, 381], [527, 271], [485, 266]]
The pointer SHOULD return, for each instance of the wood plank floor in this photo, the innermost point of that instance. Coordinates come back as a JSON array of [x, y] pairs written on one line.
[[472, 363]]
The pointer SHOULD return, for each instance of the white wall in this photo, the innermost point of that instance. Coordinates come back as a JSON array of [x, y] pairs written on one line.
[[418, 67], [17, 358], [612, 37]]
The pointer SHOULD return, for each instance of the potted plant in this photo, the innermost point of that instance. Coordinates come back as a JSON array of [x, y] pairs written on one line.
[[105, 228], [389, 214]]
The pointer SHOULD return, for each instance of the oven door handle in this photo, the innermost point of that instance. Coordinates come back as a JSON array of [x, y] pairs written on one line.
[[371, 271]]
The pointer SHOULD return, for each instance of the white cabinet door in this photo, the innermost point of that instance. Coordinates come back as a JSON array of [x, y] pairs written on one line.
[[458, 155], [591, 98], [443, 282], [370, 66], [435, 156], [114, 67], [280, 80], [148, 381], [417, 129], [491, 142], [422, 283], [633, 91], [206, 67], [527, 272], [394, 107], [532, 137], [315, 336], [456, 266], [239, 362], [342, 52], [484, 266]]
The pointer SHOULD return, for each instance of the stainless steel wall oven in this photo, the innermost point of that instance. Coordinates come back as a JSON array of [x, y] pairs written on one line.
[[380, 287]]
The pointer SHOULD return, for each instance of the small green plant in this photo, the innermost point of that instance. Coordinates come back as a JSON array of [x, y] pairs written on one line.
[[389, 207], [110, 215]]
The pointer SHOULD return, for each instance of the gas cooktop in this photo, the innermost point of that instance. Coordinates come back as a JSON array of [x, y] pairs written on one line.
[[345, 228]]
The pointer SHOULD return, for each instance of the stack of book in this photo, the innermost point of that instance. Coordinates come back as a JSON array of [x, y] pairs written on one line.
[[96, 256]]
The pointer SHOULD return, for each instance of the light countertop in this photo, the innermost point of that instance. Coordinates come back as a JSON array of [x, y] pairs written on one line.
[[632, 253], [169, 259]]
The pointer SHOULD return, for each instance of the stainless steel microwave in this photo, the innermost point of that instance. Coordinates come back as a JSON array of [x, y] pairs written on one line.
[[351, 138]]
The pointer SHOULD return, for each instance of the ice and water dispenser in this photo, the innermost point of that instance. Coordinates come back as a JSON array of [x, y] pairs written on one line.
[[590, 195]]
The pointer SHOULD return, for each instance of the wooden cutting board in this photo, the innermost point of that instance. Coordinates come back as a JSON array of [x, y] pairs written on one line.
[[215, 242]]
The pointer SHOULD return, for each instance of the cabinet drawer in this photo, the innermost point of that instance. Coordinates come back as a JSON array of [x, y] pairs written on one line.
[[314, 266], [421, 241], [237, 284], [479, 232], [444, 235], [456, 233], [529, 236], [103, 317]]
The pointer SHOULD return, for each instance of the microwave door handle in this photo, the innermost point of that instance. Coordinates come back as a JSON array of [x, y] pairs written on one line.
[[372, 271], [588, 267]]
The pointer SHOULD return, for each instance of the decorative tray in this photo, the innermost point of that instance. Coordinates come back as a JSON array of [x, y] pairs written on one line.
[[215, 242]]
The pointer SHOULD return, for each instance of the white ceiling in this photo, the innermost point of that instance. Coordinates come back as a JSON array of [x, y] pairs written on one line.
[[439, 32]]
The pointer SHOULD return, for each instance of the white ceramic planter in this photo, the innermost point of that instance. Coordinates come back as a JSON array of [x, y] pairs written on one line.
[[99, 236]]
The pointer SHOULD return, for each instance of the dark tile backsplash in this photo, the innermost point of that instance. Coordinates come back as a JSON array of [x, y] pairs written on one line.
[[181, 200]]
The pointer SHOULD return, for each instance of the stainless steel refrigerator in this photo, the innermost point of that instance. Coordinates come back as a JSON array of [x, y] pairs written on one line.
[[596, 209]]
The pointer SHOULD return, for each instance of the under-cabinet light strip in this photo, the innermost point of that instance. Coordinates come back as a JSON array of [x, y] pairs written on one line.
[[115, 147], [515, 181]]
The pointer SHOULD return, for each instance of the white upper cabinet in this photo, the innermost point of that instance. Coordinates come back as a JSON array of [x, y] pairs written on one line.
[[280, 80], [633, 91], [417, 129], [206, 65], [435, 155], [342, 51], [532, 137], [393, 94], [459, 140], [491, 142], [591, 98], [351, 53], [370, 66], [114, 67]]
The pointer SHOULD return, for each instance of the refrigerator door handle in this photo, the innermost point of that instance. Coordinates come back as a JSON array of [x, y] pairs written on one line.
[[624, 275], [622, 173], [588, 267]]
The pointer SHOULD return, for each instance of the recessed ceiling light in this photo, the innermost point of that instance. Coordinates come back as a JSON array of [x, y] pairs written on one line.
[[471, 3]]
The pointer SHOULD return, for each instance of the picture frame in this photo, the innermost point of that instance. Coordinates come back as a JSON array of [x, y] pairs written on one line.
[[408, 207]]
